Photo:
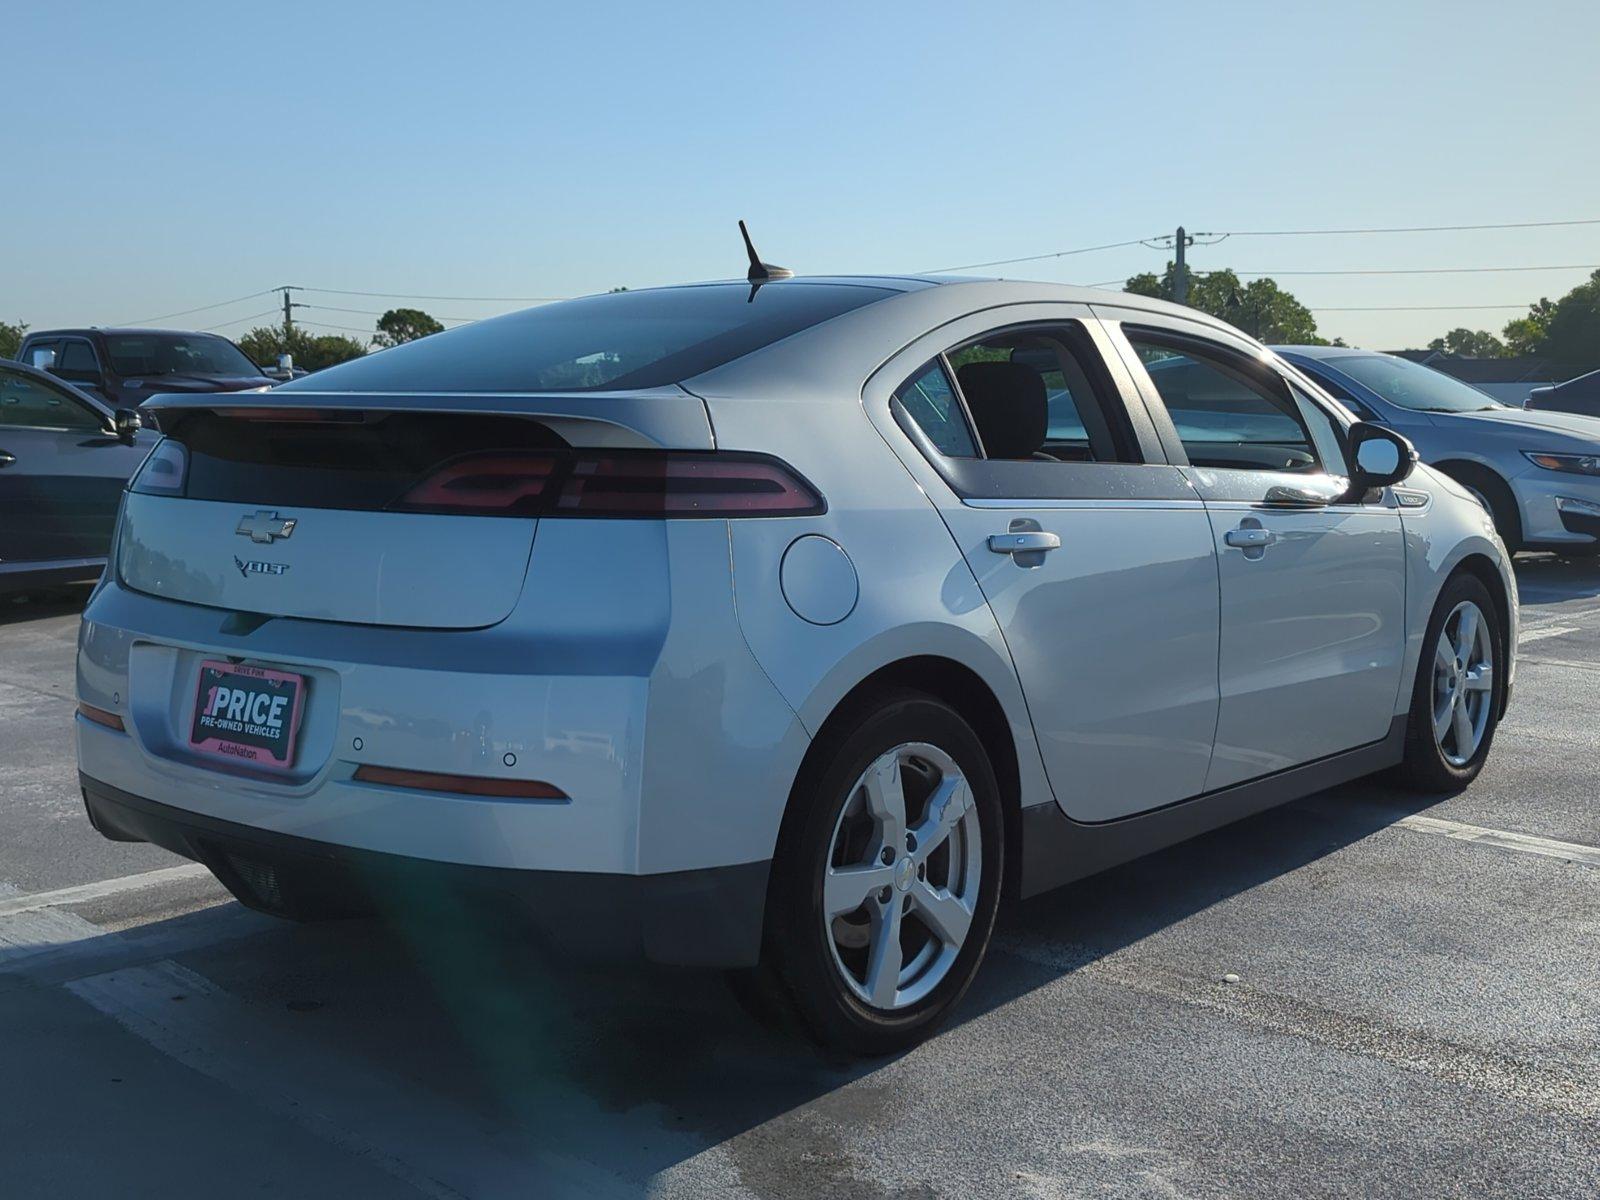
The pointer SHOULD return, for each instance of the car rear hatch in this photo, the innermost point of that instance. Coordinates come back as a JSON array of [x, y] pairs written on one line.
[[382, 510]]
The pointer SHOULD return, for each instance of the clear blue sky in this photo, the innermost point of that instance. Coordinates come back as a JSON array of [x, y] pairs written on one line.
[[173, 154]]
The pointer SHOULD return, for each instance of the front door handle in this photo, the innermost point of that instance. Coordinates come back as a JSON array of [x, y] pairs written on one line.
[[1031, 541], [1252, 537], [1249, 539], [7, 459]]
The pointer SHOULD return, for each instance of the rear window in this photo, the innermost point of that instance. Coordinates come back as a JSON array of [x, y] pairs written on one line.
[[616, 341]]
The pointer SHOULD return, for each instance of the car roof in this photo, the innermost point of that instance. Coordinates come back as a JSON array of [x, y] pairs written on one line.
[[1332, 352], [91, 330]]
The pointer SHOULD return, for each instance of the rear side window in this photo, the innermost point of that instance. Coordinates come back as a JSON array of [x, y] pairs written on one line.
[[618, 341], [1041, 393]]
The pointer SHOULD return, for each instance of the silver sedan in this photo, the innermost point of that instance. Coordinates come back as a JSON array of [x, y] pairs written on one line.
[[782, 626]]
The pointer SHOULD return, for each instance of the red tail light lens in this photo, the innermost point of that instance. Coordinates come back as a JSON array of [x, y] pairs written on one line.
[[503, 484], [622, 484]]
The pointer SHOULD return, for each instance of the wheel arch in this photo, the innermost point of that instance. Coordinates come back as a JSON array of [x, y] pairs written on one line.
[[964, 690], [1464, 470], [1482, 568]]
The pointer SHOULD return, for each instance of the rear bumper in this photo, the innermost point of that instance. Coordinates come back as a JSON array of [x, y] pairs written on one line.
[[708, 918]]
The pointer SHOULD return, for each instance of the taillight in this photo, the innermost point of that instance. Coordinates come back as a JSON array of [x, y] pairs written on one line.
[[163, 471], [637, 484]]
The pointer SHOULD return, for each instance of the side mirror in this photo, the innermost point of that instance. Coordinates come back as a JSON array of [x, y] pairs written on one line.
[[1379, 458], [126, 423]]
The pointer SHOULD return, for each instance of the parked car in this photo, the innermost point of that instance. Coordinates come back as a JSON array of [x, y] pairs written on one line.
[[1537, 472], [825, 641], [64, 460], [1580, 396], [125, 367]]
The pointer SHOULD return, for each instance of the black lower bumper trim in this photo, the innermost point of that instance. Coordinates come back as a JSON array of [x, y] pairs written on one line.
[[1576, 522], [705, 918]]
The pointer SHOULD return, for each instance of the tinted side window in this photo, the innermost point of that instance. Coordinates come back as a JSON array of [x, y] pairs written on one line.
[[931, 402], [78, 362], [25, 401], [1042, 393], [1225, 417]]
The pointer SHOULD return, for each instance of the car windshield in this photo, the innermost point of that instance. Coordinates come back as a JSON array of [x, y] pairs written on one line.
[[155, 354], [1412, 385], [622, 340]]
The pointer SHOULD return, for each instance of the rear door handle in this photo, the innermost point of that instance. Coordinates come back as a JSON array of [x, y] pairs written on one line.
[[1033, 541], [6, 459]]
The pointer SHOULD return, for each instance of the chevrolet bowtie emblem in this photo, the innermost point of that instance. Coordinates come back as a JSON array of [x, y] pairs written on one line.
[[265, 526]]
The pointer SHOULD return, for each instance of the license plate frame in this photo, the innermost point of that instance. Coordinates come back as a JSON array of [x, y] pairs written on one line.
[[254, 743]]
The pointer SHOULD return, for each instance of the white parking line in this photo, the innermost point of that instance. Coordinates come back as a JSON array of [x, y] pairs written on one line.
[[1539, 632], [11, 905], [1504, 839]]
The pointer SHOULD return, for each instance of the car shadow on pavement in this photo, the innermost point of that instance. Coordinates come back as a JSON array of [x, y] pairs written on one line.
[[35, 606], [640, 1070], [1548, 578]]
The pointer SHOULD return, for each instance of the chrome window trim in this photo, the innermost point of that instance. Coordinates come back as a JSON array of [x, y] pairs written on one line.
[[987, 502]]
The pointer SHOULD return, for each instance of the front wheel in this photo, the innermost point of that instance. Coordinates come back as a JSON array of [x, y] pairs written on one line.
[[1460, 686], [888, 877]]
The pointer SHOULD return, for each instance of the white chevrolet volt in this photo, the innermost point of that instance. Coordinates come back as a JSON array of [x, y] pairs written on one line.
[[782, 625]]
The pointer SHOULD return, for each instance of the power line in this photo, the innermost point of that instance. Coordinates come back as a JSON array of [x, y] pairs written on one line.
[[1420, 307], [372, 312], [239, 320], [418, 296], [1426, 270], [1005, 262], [1400, 229], [202, 308]]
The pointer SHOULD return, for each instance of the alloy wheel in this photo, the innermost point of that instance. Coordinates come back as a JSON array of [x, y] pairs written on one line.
[[904, 866], [1463, 683]]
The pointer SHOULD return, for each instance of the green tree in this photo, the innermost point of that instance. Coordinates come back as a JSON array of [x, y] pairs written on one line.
[[1469, 343], [1525, 335], [400, 325], [1260, 308], [11, 338], [1572, 334], [311, 351]]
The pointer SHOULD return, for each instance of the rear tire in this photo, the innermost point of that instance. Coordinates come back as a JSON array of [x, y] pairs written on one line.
[[900, 810], [1459, 690]]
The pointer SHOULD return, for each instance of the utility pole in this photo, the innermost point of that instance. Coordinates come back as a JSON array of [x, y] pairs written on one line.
[[1180, 273], [288, 311]]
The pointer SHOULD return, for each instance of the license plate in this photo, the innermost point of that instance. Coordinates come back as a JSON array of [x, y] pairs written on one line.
[[247, 714]]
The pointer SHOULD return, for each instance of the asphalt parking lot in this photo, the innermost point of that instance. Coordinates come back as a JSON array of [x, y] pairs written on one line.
[[1364, 993]]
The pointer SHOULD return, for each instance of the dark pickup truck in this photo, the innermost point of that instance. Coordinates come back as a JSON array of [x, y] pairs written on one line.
[[125, 367]]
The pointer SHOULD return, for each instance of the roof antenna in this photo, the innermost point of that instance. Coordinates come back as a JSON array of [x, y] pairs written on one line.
[[760, 272]]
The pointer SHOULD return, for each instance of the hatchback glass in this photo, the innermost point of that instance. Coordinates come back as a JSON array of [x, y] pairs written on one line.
[[621, 340]]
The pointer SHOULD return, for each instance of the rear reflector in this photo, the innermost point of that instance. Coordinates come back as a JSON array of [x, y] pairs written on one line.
[[100, 716], [466, 785], [637, 484]]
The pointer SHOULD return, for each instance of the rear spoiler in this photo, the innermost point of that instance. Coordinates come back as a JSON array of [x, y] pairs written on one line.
[[666, 418]]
